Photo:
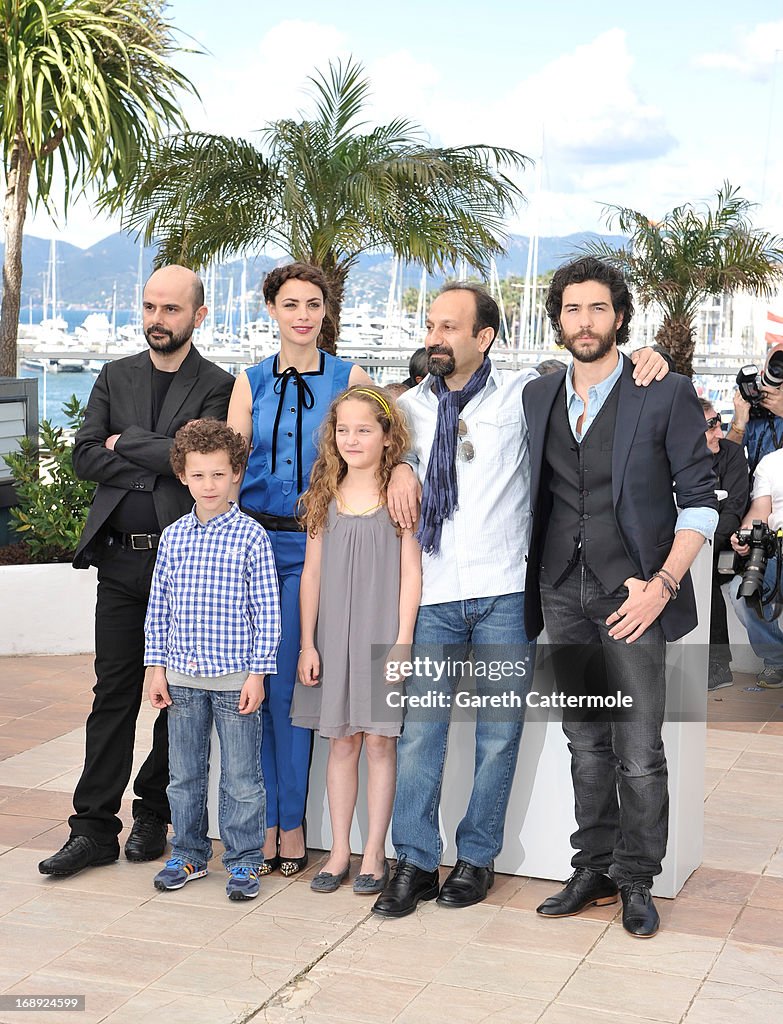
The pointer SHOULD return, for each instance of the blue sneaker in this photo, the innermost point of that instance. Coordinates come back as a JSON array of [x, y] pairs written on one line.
[[177, 873], [242, 884]]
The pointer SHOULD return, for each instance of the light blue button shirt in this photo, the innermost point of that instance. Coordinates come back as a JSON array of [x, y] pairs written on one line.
[[702, 520], [597, 394]]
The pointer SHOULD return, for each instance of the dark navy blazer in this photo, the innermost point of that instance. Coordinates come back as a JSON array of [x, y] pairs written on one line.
[[658, 441]]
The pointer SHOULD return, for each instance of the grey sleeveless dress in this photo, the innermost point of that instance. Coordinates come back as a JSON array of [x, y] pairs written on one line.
[[358, 618]]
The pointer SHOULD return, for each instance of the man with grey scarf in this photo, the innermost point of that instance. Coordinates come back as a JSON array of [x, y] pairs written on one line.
[[470, 455]]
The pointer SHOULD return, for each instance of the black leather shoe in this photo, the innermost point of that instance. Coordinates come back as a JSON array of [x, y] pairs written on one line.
[[78, 853], [147, 839], [585, 888], [640, 918], [409, 885], [466, 885]]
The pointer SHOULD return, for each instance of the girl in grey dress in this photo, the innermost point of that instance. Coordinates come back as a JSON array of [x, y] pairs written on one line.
[[359, 596]]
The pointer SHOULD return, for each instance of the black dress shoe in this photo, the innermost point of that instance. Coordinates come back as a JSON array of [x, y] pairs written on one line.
[[640, 918], [78, 853], [409, 885], [585, 888], [466, 885], [147, 839]]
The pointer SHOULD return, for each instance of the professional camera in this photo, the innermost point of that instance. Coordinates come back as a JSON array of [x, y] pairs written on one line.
[[764, 544], [750, 381]]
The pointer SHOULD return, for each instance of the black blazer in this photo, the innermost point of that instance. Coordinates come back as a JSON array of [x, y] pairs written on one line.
[[731, 468], [121, 403], [658, 440]]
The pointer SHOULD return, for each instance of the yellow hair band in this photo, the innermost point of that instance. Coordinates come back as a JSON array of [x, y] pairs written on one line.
[[373, 394]]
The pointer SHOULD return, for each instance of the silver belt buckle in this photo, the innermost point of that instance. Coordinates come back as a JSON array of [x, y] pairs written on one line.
[[146, 537]]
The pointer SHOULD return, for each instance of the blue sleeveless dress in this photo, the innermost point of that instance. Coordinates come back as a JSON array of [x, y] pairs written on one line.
[[288, 409]]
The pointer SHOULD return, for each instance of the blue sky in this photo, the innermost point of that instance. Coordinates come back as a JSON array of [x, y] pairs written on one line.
[[643, 106]]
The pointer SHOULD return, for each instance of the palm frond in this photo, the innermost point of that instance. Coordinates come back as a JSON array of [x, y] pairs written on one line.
[[90, 80], [692, 252], [325, 190], [340, 96]]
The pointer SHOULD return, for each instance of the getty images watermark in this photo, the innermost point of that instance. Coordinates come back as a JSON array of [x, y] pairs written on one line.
[[515, 694]]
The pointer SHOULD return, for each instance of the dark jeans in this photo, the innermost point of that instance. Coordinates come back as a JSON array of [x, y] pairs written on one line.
[[618, 763], [124, 579]]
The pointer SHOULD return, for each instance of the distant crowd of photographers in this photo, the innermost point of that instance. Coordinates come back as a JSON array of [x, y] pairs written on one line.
[[747, 542]]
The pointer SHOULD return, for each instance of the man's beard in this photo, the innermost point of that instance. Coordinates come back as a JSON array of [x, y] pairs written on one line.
[[174, 343], [605, 343], [592, 355], [441, 367]]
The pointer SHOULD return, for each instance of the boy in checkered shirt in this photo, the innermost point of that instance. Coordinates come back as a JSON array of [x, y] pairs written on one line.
[[211, 636]]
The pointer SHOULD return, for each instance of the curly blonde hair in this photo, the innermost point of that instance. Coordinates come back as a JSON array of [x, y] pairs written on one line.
[[330, 468]]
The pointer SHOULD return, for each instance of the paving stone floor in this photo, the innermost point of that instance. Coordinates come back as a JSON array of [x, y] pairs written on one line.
[[191, 957]]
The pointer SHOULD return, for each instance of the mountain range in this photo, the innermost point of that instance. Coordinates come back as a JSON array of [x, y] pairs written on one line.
[[87, 277]]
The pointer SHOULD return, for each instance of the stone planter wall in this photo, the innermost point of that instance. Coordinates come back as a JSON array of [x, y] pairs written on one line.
[[47, 609]]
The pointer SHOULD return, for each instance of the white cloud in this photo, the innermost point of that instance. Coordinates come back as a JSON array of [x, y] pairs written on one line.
[[756, 54], [267, 80], [402, 86], [584, 103], [593, 112]]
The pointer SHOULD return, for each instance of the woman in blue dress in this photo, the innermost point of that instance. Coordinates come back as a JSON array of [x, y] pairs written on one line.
[[278, 406]]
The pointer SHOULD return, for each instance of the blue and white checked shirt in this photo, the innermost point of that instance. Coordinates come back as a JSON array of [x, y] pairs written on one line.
[[214, 605]]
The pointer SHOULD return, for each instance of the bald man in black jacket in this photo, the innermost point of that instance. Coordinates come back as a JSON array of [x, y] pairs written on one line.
[[136, 406]]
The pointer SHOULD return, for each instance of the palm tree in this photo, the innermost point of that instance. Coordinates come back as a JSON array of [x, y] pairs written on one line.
[[83, 83], [690, 254], [323, 192]]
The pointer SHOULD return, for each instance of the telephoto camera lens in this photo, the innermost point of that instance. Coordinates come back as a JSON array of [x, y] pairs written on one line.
[[772, 374]]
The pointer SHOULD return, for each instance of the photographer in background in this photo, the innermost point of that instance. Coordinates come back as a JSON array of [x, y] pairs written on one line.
[[731, 469], [765, 635], [758, 423]]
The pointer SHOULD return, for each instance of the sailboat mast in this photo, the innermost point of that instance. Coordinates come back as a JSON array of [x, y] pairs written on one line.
[[53, 252]]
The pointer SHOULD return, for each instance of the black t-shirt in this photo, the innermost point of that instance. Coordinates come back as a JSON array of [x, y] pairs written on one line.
[[136, 512]]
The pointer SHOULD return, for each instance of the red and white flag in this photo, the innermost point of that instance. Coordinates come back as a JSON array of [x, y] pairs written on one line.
[[774, 333]]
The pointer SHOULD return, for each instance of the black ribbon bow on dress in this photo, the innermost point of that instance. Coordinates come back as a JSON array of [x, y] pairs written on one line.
[[305, 399]]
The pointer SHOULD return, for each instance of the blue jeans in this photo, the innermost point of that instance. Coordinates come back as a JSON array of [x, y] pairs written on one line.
[[618, 764], [494, 628], [765, 635], [242, 798]]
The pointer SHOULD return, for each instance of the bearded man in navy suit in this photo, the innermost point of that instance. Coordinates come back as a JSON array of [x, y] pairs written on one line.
[[609, 553]]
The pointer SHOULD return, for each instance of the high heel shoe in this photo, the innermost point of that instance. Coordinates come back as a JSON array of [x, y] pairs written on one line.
[[273, 863], [290, 866]]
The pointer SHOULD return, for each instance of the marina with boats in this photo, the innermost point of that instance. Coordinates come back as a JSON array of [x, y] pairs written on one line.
[[66, 348]]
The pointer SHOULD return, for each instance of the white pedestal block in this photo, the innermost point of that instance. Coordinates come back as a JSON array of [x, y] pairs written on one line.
[[540, 817]]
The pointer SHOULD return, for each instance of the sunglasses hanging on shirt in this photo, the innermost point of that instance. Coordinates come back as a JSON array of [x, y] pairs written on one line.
[[466, 451]]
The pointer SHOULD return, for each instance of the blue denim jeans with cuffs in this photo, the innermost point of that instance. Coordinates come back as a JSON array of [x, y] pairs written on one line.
[[242, 798]]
